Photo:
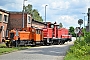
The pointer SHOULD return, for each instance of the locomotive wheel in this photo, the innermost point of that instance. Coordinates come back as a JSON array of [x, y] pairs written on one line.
[[25, 44], [13, 43], [34, 43], [41, 43], [45, 42], [50, 43], [61, 42], [58, 43]]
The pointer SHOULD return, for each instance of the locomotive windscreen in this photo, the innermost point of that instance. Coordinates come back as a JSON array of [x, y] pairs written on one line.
[[11, 35]]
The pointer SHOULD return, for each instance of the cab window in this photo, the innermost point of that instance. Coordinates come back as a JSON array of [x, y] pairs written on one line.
[[37, 31], [11, 35]]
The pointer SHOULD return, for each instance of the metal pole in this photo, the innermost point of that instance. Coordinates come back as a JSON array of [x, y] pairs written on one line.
[[80, 22], [45, 13], [84, 21], [84, 25], [80, 34], [23, 12], [76, 36], [2, 27]]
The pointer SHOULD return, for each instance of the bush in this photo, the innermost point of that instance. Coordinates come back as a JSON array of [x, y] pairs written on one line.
[[87, 38], [80, 50]]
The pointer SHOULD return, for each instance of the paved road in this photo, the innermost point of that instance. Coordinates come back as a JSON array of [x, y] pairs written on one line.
[[54, 52]]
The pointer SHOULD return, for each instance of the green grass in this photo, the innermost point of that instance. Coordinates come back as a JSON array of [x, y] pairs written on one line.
[[71, 56], [2, 45], [4, 49]]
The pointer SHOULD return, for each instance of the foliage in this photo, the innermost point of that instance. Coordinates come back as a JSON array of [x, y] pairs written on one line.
[[36, 15], [71, 31], [87, 37], [34, 12], [73, 34], [60, 25], [28, 9], [80, 50]]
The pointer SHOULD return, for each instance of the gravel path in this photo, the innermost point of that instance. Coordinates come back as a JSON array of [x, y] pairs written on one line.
[[54, 52]]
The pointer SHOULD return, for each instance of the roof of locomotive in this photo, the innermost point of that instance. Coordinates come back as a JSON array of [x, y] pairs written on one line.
[[56, 24]]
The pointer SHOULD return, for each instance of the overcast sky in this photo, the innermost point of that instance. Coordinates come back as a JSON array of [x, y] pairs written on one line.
[[68, 12]]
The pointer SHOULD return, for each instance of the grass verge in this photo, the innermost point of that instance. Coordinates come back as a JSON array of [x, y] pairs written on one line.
[[71, 56], [5, 50]]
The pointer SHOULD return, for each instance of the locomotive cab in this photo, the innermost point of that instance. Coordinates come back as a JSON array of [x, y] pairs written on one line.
[[38, 36], [48, 34], [9, 39], [56, 40]]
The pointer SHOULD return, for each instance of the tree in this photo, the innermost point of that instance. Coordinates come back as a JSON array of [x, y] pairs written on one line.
[[34, 12], [28, 9], [60, 25], [71, 31], [36, 15]]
